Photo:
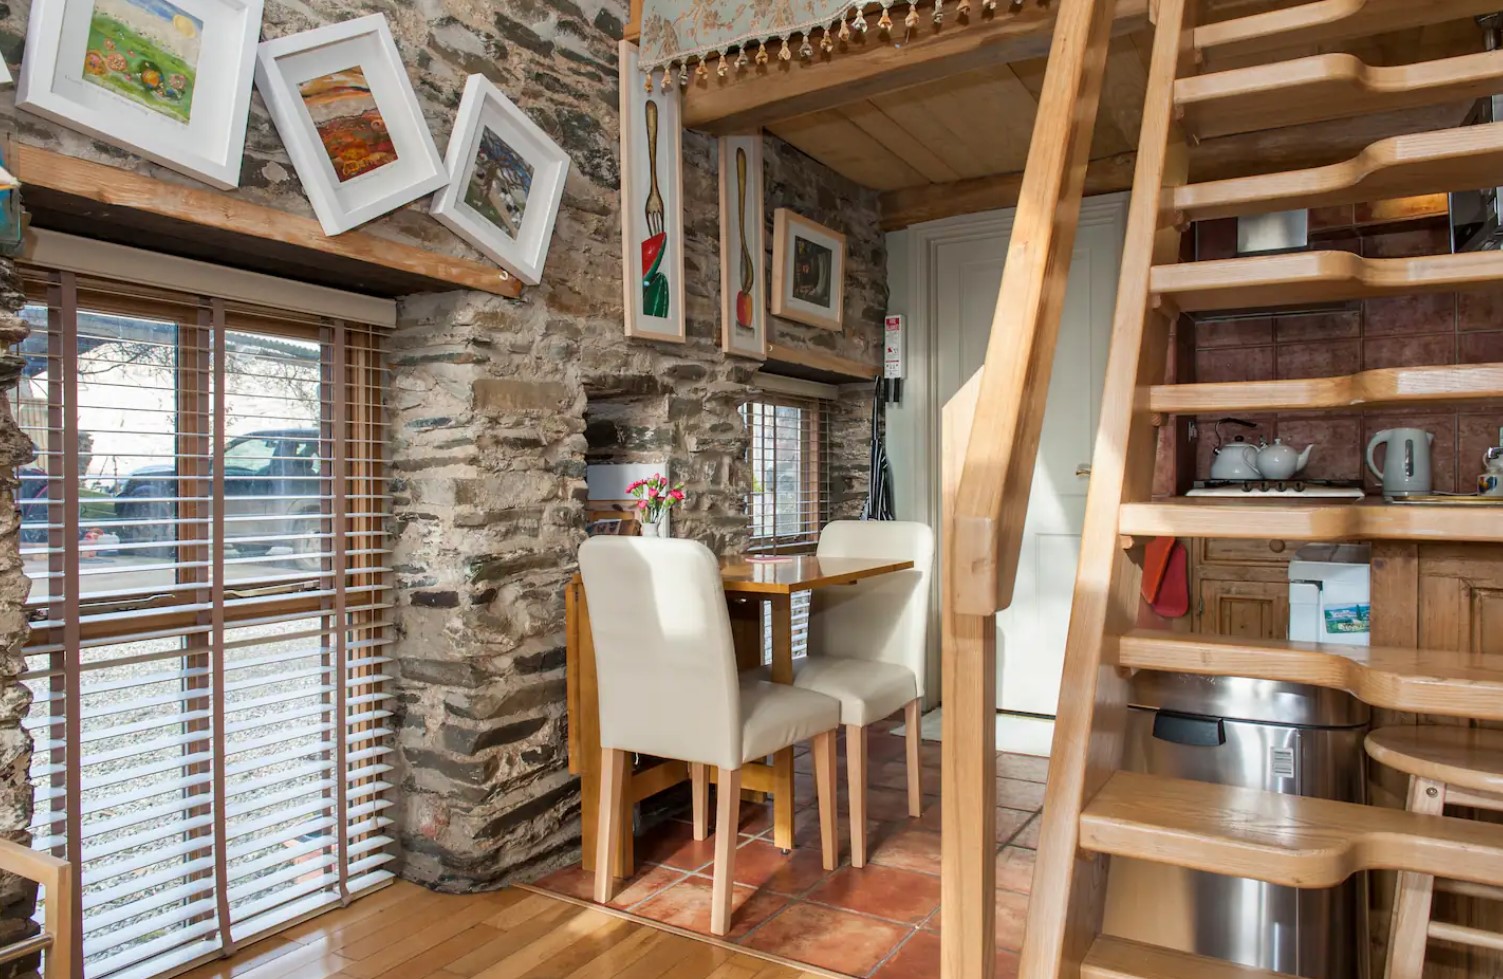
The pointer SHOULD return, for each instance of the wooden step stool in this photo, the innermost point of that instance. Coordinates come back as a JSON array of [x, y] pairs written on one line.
[[1456, 765]]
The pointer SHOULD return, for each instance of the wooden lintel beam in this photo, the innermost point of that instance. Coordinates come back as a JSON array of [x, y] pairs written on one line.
[[873, 64], [1222, 158], [231, 216]]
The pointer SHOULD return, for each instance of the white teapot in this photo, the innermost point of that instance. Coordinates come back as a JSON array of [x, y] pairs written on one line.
[[1280, 461]]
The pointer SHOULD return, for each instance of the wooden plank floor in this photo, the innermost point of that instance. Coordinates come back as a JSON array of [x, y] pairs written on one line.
[[407, 932]]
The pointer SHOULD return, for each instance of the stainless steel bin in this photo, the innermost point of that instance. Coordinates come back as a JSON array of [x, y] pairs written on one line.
[[1280, 737]]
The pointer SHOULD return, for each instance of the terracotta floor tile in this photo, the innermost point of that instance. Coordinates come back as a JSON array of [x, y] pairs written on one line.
[[828, 938], [883, 892], [884, 804], [762, 865], [919, 959], [687, 905], [894, 775], [672, 844], [1012, 916], [647, 881], [910, 849], [1029, 837], [1028, 767], [1015, 869], [1017, 793], [1010, 822]]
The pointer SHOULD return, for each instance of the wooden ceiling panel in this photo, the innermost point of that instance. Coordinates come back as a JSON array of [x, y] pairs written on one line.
[[903, 144], [848, 149]]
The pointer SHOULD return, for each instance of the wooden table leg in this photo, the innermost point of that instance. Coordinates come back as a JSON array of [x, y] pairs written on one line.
[[781, 609]]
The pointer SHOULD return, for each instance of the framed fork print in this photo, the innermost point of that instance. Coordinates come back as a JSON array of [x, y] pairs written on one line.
[[652, 204], [743, 293]]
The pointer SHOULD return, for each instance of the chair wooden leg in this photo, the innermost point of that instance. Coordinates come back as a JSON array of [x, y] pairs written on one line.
[[915, 784], [855, 770], [824, 787], [727, 825], [608, 837], [1409, 929], [699, 783]]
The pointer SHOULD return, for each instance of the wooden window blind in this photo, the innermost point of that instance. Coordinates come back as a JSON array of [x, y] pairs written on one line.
[[205, 530]]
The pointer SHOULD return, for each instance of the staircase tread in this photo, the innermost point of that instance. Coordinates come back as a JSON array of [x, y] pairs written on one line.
[[1311, 521], [1282, 839], [1111, 957], [1399, 166], [1445, 384], [1298, 278], [1323, 87], [1327, 20], [1432, 681]]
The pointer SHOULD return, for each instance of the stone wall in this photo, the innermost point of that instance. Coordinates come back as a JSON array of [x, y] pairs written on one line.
[[492, 401]]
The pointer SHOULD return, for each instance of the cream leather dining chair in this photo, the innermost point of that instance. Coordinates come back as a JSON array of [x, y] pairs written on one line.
[[867, 647], [668, 687]]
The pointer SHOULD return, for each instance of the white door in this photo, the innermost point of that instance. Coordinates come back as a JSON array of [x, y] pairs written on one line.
[[1031, 633]]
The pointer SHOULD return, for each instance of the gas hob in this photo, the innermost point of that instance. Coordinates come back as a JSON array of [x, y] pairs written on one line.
[[1327, 489]]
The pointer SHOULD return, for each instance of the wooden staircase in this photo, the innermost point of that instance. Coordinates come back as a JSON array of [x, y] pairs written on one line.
[[1092, 809]]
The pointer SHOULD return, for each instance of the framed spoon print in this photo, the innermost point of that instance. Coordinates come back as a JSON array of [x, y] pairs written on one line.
[[652, 211], [743, 293]]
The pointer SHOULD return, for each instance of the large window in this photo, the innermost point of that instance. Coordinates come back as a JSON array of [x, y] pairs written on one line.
[[204, 527]]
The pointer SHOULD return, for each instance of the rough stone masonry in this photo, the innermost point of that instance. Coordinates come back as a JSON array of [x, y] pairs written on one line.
[[494, 405]]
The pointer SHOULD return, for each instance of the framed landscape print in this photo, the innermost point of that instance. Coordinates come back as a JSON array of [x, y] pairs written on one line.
[[808, 271], [743, 237], [168, 79], [506, 177], [652, 205], [343, 105]]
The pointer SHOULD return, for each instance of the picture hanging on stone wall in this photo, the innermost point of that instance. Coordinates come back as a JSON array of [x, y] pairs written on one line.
[[345, 108], [743, 292], [652, 199], [506, 177], [167, 79], [808, 271]]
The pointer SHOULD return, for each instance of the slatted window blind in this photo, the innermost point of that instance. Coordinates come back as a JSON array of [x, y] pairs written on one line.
[[787, 504], [205, 530]]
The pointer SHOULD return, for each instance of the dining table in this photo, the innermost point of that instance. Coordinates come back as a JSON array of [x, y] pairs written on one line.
[[758, 589]]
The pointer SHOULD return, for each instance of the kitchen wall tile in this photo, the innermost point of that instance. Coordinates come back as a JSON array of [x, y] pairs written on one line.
[[1407, 315], [1335, 325], [1234, 364], [1409, 351], [1481, 348], [1319, 359], [1442, 450], [1479, 311], [1234, 333], [1336, 216], [1397, 244]]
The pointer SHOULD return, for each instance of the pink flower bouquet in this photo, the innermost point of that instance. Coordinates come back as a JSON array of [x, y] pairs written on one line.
[[655, 497]]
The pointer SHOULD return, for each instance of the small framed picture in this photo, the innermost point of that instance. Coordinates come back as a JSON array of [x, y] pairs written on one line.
[[652, 204], [743, 236], [168, 79], [808, 271], [506, 178], [344, 106]]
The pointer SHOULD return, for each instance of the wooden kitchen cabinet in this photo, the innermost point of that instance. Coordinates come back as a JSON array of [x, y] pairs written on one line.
[[1240, 587]]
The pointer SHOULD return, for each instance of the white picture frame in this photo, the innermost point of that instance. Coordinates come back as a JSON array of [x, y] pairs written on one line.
[[818, 302], [652, 199], [192, 120], [537, 167], [743, 248], [353, 76]]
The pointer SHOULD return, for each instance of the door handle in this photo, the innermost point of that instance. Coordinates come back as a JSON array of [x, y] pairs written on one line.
[[1083, 471]]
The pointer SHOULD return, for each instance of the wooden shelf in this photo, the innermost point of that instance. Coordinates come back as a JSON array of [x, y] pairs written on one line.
[[1322, 21], [1451, 159], [1325, 87], [1246, 520], [64, 193], [1460, 384], [1318, 277], [1282, 839], [817, 365], [1121, 958], [1422, 681]]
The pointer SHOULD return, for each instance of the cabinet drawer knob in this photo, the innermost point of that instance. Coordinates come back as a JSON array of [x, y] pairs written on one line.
[[1276, 546]]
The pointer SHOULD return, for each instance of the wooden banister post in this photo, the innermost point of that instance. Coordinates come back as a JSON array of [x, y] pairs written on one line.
[[991, 433]]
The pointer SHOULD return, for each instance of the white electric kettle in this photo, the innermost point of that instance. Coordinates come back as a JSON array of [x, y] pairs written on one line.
[[1406, 465]]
